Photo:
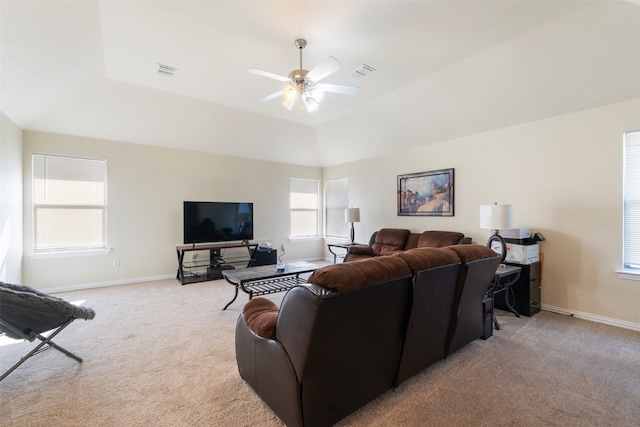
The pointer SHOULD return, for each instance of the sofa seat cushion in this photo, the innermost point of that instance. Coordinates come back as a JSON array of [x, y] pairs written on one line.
[[350, 276], [438, 239], [468, 253], [390, 240], [423, 258], [260, 315]]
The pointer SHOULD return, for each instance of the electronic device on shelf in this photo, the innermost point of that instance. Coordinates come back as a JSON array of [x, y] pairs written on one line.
[[207, 222]]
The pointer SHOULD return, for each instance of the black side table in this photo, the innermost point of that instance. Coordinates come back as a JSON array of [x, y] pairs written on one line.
[[344, 246], [505, 276]]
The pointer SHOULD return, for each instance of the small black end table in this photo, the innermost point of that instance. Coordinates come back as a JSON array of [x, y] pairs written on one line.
[[505, 276]]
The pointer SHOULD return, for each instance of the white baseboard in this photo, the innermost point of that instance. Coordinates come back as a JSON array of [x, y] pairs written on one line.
[[592, 317], [110, 283]]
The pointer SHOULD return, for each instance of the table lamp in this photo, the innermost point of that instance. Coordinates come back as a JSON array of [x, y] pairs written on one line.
[[496, 217], [352, 215]]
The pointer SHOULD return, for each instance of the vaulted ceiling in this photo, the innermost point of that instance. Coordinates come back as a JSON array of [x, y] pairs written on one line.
[[443, 69]]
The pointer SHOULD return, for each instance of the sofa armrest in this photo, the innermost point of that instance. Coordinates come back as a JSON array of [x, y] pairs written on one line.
[[295, 324], [361, 250], [260, 315], [264, 364]]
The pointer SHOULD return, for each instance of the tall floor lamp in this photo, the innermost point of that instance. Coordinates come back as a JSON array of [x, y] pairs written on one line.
[[352, 215], [496, 217]]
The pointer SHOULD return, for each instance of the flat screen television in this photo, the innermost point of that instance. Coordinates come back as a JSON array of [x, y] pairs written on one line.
[[206, 222]]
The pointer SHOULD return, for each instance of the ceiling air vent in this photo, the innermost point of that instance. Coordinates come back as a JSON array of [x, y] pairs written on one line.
[[166, 70], [362, 71]]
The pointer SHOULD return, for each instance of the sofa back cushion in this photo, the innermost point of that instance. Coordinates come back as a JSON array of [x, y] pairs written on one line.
[[424, 258], [468, 253], [412, 241], [390, 240], [427, 332], [438, 239], [349, 276]]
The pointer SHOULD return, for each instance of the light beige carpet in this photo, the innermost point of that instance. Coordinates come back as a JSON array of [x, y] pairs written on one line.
[[161, 354]]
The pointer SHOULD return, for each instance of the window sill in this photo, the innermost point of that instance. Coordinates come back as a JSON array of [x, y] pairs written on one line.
[[629, 274], [303, 238], [69, 253]]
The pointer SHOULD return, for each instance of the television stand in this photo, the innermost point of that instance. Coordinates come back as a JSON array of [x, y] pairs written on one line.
[[199, 270]]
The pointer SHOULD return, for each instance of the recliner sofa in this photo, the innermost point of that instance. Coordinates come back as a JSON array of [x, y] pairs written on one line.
[[358, 329], [387, 241]]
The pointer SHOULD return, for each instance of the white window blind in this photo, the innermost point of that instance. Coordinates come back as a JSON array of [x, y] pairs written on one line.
[[69, 203], [304, 203], [632, 200], [336, 195]]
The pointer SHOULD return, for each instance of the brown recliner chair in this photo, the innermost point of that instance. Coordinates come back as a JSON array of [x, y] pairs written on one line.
[[331, 350], [386, 241], [358, 329]]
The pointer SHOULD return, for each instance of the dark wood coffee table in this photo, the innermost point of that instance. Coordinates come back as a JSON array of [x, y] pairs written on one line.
[[266, 279]]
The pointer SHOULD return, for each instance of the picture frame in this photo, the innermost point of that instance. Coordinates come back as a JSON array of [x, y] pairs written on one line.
[[426, 193]]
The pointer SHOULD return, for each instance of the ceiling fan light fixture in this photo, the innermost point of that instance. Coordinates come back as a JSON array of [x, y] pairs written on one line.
[[316, 93], [310, 104], [290, 93], [288, 103]]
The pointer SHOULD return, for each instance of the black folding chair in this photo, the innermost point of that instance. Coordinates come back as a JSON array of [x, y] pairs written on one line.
[[26, 313]]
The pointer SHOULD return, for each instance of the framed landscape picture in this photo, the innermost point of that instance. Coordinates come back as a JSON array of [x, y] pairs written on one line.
[[426, 193]]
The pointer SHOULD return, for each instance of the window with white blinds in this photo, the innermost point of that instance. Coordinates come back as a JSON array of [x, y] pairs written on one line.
[[304, 206], [632, 200], [336, 200], [69, 203]]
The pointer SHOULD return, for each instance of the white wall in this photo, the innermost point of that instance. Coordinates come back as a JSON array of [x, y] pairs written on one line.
[[10, 201], [146, 188], [564, 178]]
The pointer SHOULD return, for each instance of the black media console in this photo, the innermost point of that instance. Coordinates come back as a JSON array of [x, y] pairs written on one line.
[[193, 269]]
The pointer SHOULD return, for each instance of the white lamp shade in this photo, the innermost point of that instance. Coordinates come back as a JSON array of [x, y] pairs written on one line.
[[496, 217], [352, 215]]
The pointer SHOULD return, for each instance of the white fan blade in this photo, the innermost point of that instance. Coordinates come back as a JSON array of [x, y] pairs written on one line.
[[267, 74], [270, 97], [343, 90], [324, 69]]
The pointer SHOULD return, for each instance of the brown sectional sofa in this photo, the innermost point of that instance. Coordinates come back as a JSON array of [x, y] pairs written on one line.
[[388, 241], [358, 329]]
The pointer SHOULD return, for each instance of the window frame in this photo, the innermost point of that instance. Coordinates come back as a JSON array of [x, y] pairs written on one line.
[[38, 248], [631, 206], [329, 199], [293, 209]]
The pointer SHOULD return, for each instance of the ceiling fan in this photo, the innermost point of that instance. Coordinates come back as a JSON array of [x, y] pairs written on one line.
[[305, 84]]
